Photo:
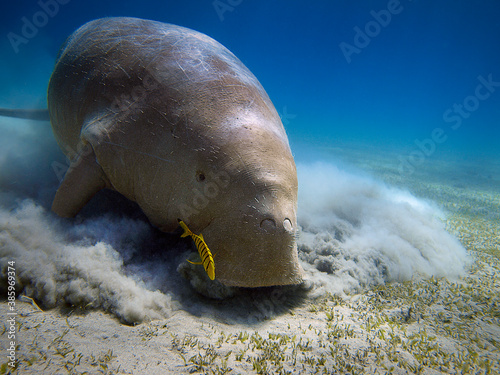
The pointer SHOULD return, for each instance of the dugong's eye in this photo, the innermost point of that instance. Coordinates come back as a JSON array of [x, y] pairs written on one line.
[[200, 176]]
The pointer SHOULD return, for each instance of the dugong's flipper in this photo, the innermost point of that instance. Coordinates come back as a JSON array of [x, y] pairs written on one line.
[[82, 181]]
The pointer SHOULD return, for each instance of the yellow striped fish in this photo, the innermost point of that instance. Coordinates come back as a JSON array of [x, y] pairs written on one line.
[[206, 256]]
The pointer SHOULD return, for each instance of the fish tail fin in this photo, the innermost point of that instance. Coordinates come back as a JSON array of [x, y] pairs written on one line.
[[187, 232]]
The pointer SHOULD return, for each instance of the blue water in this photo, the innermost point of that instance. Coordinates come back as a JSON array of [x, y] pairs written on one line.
[[403, 75]]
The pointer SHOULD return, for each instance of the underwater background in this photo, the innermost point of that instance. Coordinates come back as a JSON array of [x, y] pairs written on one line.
[[373, 72], [392, 109]]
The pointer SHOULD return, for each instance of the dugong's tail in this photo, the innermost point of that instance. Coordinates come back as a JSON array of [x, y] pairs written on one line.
[[29, 114]]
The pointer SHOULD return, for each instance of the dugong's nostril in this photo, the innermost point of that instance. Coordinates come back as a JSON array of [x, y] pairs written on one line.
[[268, 224]]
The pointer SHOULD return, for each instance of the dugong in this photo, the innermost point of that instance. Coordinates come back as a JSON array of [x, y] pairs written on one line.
[[172, 120]]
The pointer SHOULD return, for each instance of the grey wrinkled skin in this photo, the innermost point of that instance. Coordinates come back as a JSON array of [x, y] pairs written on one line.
[[174, 121]]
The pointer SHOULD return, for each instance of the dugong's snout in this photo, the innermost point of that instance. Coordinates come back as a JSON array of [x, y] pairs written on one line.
[[262, 251]]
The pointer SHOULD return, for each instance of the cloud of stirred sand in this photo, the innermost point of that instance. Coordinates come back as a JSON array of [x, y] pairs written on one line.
[[356, 232], [59, 264]]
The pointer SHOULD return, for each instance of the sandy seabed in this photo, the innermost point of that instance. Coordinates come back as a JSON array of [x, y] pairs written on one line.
[[426, 325]]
